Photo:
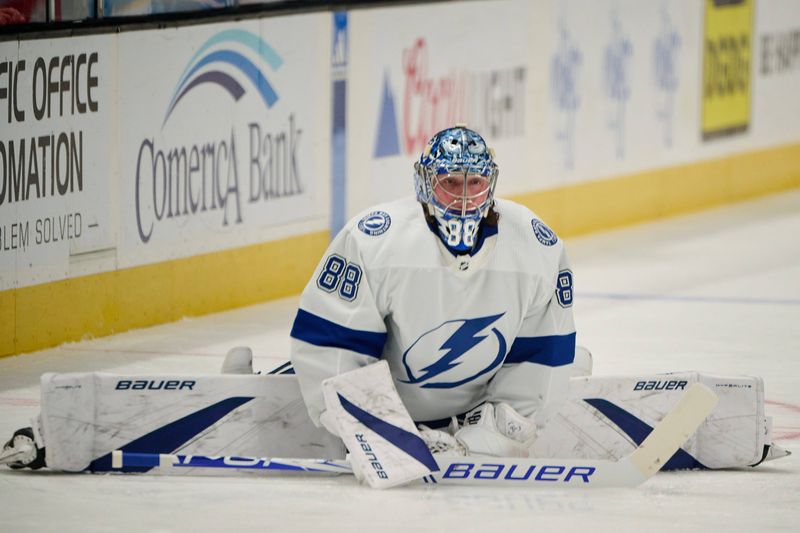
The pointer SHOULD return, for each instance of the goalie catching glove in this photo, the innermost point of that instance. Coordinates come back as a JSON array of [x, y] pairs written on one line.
[[497, 430]]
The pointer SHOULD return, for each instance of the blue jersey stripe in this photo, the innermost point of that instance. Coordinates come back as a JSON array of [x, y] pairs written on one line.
[[553, 350], [318, 331]]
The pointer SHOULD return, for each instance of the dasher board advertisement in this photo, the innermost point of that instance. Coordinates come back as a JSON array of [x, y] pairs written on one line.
[[57, 110], [225, 135]]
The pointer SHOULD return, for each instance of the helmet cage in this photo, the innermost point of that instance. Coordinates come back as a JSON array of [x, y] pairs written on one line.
[[456, 153]]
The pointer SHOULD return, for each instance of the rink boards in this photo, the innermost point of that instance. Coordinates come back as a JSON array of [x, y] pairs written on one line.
[[151, 174]]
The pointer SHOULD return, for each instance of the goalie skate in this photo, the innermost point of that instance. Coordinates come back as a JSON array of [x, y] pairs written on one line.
[[21, 451], [772, 452]]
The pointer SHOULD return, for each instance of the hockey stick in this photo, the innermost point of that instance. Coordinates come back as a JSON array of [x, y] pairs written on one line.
[[665, 439], [121, 460]]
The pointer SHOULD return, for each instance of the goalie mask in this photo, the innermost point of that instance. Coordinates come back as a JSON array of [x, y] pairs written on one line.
[[455, 179]]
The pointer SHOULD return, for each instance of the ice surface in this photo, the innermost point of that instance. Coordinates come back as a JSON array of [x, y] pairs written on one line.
[[717, 292]]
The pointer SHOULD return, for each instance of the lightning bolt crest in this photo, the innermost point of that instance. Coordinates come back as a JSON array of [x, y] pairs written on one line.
[[460, 342]]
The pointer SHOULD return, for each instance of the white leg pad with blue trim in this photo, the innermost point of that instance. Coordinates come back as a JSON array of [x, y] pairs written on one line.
[[86, 416]]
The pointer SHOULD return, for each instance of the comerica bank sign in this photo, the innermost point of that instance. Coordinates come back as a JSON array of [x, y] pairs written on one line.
[[190, 177]]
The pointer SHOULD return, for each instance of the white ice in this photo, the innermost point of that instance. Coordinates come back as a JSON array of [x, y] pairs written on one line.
[[717, 292]]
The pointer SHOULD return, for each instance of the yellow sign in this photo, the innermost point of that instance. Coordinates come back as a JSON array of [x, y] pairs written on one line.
[[727, 49]]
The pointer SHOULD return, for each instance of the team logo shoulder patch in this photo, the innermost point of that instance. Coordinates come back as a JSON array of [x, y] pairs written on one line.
[[544, 234], [375, 223]]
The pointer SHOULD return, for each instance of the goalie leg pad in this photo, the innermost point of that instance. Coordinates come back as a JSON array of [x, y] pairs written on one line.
[[86, 416], [607, 417]]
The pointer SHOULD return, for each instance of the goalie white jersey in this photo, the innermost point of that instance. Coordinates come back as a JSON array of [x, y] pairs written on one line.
[[456, 331]]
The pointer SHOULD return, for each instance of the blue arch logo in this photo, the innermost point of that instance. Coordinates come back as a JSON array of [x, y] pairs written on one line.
[[455, 352], [218, 51]]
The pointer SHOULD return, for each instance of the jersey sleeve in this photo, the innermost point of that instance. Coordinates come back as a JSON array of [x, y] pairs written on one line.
[[534, 378], [338, 326]]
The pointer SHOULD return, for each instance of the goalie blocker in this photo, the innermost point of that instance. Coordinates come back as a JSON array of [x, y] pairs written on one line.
[[86, 416]]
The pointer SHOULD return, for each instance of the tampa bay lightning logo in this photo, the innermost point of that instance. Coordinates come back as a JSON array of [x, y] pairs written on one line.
[[544, 234], [455, 353], [375, 223]]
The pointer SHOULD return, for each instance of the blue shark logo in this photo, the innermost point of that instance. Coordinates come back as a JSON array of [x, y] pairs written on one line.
[[211, 54], [459, 351]]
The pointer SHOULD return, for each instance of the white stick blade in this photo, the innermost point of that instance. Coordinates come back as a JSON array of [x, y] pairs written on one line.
[[674, 430]]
